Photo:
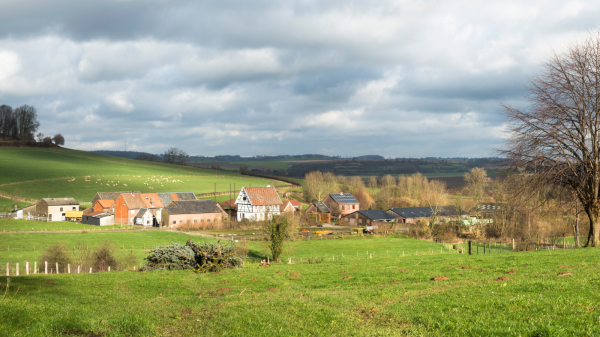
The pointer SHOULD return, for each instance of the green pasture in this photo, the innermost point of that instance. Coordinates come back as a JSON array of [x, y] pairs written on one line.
[[40, 173], [7, 205], [12, 225], [370, 295]]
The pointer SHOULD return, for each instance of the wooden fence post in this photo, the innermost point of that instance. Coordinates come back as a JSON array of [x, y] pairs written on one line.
[[484, 248], [7, 268], [69, 268], [470, 247], [46, 267], [78, 269], [26, 268], [108, 268], [513, 244], [35, 271], [57, 267], [17, 269], [90, 270]]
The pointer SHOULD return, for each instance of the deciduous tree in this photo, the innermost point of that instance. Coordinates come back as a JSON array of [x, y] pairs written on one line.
[[556, 139]]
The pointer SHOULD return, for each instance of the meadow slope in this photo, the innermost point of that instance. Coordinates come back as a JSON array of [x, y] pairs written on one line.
[[37, 172], [379, 293]]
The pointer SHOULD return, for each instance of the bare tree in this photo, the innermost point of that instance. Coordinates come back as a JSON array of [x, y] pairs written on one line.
[[8, 122], [387, 181], [314, 187], [40, 137], [27, 122], [58, 139], [176, 156], [557, 139], [435, 198], [372, 183]]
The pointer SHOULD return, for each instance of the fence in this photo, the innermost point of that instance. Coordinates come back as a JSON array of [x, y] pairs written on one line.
[[47, 269]]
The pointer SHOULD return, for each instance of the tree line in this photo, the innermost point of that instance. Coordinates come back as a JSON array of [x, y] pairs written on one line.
[[22, 124], [171, 156]]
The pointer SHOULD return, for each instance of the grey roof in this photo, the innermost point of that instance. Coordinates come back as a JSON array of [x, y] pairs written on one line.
[[103, 215], [377, 215], [193, 207], [345, 198], [425, 212], [167, 198], [141, 212], [112, 195], [321, 207], [60, 201]]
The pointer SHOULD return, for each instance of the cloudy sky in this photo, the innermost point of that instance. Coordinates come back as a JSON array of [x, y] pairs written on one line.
[[395, 78]]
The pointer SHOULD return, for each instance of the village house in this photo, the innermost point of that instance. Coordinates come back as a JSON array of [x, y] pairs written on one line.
[[414, 214], [318, 207], [341, 204], [55, 209], [104, 196], [368, 217], [230, 208], [127, 206], [197, 213], [258, 203], [103, 205]]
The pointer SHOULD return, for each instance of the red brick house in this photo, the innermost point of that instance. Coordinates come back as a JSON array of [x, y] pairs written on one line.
[[341, 204]]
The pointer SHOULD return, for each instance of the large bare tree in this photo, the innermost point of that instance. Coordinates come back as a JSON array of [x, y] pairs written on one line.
[[556, 140]]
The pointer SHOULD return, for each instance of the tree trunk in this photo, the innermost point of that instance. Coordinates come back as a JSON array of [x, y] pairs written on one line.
[[594, 234]]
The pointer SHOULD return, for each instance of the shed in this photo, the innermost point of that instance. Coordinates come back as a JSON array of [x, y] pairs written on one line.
[[98, 219], [368, 217]]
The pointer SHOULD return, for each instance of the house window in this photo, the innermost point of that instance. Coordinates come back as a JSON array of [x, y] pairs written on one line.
[[180, 221], [174, 222], [61, 209], [132, 211], [73, 208], [353, 206], [207, 220], [195, 221]]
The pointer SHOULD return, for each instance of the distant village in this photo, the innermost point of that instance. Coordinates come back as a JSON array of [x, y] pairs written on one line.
[[184, 210]]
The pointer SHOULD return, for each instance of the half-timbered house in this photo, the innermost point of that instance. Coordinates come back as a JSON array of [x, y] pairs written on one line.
[[258, 203]]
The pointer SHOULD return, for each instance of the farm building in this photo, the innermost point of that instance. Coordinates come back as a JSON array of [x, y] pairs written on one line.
[[104, 205], [55, 209], [127, 205], [368, 217], [296, 204], [230, 208], [414, 214], [98, 219], [287, 206], [143, 218], [258, 203], [105, 196], [318, 207], [167, 198], [341, 203], [192, 213]]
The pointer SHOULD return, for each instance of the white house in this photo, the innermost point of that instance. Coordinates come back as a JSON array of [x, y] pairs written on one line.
[[258, 203], [144, 217]]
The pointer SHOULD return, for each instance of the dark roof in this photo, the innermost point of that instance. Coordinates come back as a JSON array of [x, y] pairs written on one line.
[[193, 207], [60, 201], [344, 198], [141, 212], [375, 215], [99, 215], [167, 198], [321, 207], [425, 212]]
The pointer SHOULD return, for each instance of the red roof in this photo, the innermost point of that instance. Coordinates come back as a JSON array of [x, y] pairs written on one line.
[[106, 203], [295, 203], [229, 203], [263, 195]]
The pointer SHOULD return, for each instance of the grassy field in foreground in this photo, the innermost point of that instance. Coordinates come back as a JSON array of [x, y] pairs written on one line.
[[38, 173], [379, 296]]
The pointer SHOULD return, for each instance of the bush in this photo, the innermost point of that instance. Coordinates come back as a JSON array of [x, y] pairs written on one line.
[[215, 257], [172, 257], [56, 254], [104, 257], [128, 261]]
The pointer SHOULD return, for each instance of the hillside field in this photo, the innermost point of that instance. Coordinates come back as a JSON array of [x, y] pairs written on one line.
[[380, 293], [36, 173]]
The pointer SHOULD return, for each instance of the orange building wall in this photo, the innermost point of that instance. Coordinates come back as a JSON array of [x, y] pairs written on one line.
[[121, 211]]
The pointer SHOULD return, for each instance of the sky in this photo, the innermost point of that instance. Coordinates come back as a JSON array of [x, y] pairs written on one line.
[[393, 78]]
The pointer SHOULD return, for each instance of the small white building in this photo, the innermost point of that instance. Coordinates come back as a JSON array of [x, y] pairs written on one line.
[[98, 219], [143, 217], [258, 203]]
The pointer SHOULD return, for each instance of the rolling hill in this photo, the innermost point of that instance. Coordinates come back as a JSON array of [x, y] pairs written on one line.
[[34, 173]]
